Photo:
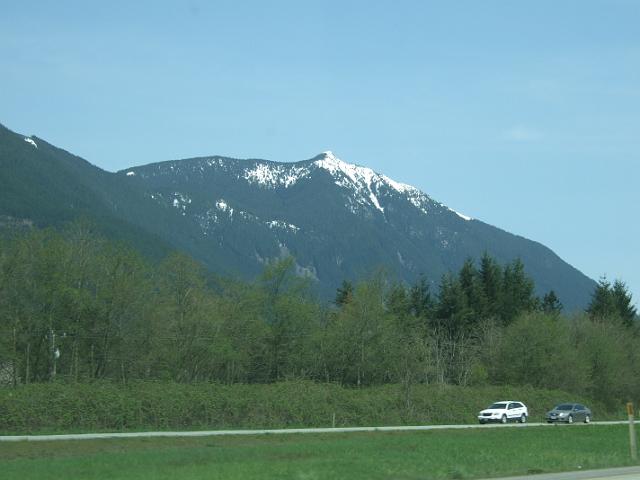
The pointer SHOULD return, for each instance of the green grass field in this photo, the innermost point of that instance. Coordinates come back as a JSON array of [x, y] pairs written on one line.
[[455, 454]]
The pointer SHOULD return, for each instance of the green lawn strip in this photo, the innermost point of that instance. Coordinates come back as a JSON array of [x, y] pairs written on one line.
[[417, 455]]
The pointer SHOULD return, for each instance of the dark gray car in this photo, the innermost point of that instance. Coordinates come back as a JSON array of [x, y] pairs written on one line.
[[569, 413]]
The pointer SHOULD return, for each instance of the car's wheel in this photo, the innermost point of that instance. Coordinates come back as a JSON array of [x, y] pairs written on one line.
[[523, 418], [570, 419], [503, 419], [587, 419]]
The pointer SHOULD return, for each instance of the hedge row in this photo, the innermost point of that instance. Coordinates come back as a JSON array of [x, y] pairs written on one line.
[[105, 406]]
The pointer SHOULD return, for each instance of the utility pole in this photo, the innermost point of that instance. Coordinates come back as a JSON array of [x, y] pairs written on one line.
[[14, 368], [632, 433], [55, 354]]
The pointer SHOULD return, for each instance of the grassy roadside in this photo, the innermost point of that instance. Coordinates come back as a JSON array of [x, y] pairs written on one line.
[[447, 454], [139, 406]]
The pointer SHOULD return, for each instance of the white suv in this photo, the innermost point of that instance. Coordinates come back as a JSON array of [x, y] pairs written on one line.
[[503, 412]]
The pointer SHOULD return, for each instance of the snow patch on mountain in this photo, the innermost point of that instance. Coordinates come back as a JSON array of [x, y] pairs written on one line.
[[29, 140], [283, 225], [397, 186], [270, 175], [355, 173], [362, 179], [180, 201], [206, 221], [213, 161], [224, 206], [248, 216], [461, 215]]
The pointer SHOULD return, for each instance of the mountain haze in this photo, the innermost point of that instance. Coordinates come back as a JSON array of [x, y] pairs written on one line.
[[340, 221]]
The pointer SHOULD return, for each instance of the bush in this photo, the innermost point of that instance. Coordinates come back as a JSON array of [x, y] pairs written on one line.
[[538, 350], [106, 406]]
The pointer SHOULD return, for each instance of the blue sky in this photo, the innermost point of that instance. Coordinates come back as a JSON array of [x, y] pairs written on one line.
[[525, 115]]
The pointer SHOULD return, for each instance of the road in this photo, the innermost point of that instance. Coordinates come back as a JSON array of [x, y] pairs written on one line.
[[211, 433], [626, 473]]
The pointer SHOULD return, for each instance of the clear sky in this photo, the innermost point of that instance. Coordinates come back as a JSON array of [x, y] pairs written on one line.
[[525, 115]]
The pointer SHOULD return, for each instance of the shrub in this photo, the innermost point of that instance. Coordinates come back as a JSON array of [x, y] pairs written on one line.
[[152, 405]]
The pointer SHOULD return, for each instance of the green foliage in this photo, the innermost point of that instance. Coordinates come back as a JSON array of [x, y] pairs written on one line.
[[551, 303], [612, 357], [612, 302], [344, 294], [153, 405], [598, 359], [538, 350], [491, 281], [356, 335], [517, 292], [453, 313], [77, 308]]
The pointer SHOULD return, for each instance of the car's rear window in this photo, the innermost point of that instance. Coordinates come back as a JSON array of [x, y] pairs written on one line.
[[499, 406]]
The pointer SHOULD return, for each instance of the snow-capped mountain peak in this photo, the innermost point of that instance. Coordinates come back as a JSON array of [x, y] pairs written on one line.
[[355, 173], [364, 190], [369, 185], [367, 188], [364, 180]]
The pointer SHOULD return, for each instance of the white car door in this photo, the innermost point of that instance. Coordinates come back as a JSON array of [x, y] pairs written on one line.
[[513, 411]]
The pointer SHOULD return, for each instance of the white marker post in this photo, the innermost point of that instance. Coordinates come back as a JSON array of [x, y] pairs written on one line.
[[632, 433]]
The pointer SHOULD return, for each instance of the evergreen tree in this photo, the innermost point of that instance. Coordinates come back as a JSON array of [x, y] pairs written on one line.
[[551, 303], [517, 292], [344, 294], [623, 303], [472, 286], [452, 312], [601, 305], [491, 281], [612, 302], [398, 301], [467, 276], [420, 301]]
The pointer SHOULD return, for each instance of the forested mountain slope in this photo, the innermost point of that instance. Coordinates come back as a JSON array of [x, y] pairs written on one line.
[[340, 221]]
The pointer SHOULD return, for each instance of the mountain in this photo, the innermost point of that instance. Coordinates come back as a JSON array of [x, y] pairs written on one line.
[[340, 221], [43, 185]]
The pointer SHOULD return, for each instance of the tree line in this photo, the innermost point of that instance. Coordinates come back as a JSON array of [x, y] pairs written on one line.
[[77, 307]]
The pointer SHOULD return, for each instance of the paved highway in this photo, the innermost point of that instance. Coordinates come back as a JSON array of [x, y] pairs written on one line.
[[211, 433], [626, 473]]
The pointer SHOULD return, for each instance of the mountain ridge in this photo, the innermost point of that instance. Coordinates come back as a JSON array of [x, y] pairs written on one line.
[[339, 220]]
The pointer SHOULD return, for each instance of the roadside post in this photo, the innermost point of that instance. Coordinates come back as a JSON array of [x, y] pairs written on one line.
[[632, 433]]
